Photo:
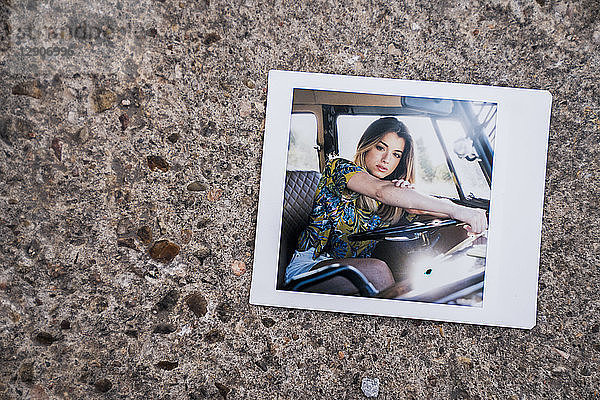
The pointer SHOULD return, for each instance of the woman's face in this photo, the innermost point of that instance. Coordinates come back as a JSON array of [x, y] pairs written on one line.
[[383, 158]]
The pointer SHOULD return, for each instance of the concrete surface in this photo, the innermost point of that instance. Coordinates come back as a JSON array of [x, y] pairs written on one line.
[[145, 125]]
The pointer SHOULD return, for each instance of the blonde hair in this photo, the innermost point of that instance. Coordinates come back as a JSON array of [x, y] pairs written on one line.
[[405, 169]]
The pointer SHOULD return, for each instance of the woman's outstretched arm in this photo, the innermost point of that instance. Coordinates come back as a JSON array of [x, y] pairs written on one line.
[[407, 184], [388, 193]]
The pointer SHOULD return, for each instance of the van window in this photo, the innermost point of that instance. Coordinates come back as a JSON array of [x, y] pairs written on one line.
[[469, 173], [302, 152], [486, 116]]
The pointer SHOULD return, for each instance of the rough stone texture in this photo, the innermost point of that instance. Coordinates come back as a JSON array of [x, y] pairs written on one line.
[[191, 79]]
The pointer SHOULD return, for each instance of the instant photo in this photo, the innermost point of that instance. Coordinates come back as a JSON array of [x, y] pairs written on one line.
[[392, 197]]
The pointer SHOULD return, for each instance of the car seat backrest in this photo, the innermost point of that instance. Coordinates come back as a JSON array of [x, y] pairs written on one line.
[[300, 187]]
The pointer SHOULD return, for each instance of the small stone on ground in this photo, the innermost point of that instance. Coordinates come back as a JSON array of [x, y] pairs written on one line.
[[370, 387], [164, 251]]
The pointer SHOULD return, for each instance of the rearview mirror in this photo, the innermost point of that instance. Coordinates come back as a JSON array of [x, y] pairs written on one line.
[[430, 106]]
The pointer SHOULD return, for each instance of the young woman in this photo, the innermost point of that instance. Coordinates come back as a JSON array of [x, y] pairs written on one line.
[[371, 192]]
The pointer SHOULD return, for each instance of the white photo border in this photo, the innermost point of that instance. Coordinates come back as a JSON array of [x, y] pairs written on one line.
[[515, 217]]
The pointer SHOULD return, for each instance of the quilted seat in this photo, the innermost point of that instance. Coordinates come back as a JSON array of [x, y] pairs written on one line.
[[300, 187]]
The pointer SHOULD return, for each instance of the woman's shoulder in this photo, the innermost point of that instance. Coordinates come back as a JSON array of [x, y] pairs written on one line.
[[337, 173], [339, 163]]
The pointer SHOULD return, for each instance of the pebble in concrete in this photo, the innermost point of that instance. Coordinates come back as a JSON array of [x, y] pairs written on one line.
[[167, 365], [197, 186], [126, 242], [29, 88], [26, 372], [124, 120], [45, 338], [103, 385], [103, 100], [57, 147], [168, 301], [164, 251], [145, 234], [164, 329], [238, 268], [370, 387], [197, 303], [157, 162]]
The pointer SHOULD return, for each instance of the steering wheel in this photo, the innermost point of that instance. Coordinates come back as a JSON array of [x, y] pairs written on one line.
[[403, 230]]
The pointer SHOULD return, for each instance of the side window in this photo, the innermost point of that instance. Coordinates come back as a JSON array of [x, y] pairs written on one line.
[[486, 116], [302, 154]]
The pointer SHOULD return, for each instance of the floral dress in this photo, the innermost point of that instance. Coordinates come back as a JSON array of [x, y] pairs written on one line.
[[336, 215]]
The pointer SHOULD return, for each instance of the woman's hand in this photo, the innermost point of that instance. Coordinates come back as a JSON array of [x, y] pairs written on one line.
[[474, 217], [401, 183]]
